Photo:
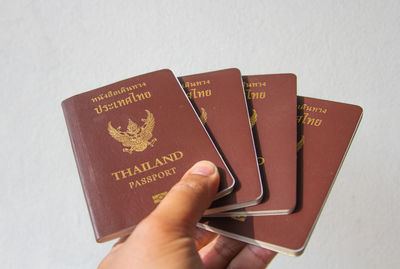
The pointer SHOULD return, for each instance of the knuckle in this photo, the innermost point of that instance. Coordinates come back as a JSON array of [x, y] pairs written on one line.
[[227, 248], [190, 187]]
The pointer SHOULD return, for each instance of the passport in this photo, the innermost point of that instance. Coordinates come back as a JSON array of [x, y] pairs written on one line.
[[220, 102], [272, 104], [132, 141], [325, 132]]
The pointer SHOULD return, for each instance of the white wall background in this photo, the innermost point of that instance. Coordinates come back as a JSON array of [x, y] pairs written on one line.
[[49, 50]]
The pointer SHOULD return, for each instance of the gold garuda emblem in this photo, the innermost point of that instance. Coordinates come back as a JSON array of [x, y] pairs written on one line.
[[135, 138], [239, 218], [203, 116], [157, 198], [253, 118], [300, 143]]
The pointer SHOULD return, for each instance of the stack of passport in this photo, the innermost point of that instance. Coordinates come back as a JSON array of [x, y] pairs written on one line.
[[278, 154]]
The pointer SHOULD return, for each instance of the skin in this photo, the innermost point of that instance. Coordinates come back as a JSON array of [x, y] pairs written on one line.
[[168, 237]]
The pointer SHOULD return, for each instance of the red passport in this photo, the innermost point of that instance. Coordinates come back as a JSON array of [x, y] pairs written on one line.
[[132, 141], [220, 102], [272, 107], [325, 131]]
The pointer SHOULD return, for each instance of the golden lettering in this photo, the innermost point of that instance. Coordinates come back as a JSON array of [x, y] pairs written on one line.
[[167, 158], [158, 163], [306, 119], [120, 91], [252, 95], [98, 110], [126, 173], [128, 100], [255, 84], [188, 84], [152, 178], [145, 166], [306, 107], [115, 174], [111, 106], [148, 165], [149, 179], [132, 95], [310, 121], [136, 170], [195, 93], [121, 102], [318, 122], [177, 155], [132, 98], [122, 173]]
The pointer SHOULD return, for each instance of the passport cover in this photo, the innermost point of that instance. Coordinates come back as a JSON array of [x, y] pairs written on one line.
[[132, 141], [325, 131], [272, 107], [220, 102]]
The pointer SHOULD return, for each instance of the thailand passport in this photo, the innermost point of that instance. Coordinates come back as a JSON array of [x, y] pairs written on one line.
[[272, 108], [325, 131], [132, 141], [220, 102]]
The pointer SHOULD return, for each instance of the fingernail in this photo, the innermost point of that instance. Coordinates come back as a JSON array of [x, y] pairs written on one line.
[[203, 168]]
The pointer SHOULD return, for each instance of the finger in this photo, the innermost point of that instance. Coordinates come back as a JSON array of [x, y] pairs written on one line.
[[120, 241], [252, 257], [186, 202], [203, 237], [219, 252], [119, 244]]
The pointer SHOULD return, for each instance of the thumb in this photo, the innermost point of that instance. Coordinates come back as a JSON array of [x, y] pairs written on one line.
[[186, 202]]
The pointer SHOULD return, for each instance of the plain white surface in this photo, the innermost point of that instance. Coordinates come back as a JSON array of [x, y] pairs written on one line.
[[50, 50]]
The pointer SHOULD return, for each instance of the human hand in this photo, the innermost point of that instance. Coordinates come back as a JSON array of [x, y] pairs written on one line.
[[168, 237]]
